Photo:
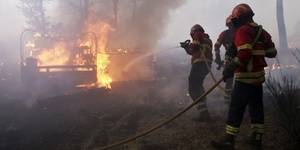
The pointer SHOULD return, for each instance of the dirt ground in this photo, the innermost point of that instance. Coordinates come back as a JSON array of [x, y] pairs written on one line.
[[94, 118]]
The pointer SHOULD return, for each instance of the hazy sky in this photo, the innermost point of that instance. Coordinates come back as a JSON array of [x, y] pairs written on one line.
[[11, 21], [209, 13]]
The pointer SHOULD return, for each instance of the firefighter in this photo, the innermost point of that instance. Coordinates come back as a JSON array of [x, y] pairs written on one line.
[[253, 44], [226, 38], [201, 51]]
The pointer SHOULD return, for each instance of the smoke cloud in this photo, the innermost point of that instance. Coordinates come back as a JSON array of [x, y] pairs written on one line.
[[137, 26], [138, 23], [151, 20]]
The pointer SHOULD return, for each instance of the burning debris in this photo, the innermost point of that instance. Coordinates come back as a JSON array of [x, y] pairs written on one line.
[[92, 41], [85, 53]]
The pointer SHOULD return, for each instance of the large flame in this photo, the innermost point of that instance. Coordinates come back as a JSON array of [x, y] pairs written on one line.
[[101, 31], [94, 43], [103, 77], [59, 55]]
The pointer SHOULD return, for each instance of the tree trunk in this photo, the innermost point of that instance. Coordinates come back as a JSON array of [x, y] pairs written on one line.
[[283, 44]]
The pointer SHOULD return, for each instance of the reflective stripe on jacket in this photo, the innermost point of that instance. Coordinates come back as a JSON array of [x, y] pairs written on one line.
[[201, 50], [251, 58]]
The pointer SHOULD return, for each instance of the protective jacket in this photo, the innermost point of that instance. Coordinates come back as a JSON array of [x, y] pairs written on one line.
[[226, 38], [201, 50], [251, 57]]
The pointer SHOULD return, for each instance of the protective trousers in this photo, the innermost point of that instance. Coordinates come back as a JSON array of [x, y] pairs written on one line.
[[229, 82], [228, 90], [244, 95], [198, 73]]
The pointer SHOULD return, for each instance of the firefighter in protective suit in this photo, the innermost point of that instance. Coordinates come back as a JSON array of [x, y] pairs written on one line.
[[253, 44], [226, 38], [201, 51]]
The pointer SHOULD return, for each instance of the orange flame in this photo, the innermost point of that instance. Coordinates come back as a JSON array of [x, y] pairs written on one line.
[[103, 76], [56, 56], [61, 55], [101, 30]]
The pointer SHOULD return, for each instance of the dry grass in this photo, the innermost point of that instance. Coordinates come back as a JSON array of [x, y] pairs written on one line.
[[285, 92]]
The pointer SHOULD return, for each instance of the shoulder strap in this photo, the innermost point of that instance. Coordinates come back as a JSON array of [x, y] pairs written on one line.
[[260, 29], [250, 63]]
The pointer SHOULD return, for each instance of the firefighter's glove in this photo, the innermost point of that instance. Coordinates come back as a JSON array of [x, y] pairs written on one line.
[[218, 61], [229, 70], [185, 44]]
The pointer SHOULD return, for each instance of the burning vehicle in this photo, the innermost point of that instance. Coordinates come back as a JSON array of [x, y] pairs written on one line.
[[88, 43], [44, 56], [88, 59]]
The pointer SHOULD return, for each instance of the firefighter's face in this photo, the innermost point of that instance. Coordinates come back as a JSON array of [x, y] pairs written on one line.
[[196, 35], [238, 22], [235, 22]]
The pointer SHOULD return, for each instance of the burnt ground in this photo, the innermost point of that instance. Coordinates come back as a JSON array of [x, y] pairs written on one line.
[[95, 118]]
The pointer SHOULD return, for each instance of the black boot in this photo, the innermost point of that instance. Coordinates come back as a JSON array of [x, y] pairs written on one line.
[[255, 140], [226, 143]]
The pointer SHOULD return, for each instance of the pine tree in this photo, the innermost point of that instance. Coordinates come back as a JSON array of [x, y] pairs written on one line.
[[34, 12]]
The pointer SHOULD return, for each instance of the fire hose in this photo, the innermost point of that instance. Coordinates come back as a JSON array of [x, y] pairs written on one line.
[[167, 121], [126, 68], [213, 76], [138, 59]]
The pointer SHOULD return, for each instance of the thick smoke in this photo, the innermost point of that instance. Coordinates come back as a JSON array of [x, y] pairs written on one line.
[[138, 23], [151, 20], [137, 27]]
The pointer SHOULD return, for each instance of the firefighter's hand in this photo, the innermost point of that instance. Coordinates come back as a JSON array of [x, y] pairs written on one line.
[[185, 44], [229, 71]]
